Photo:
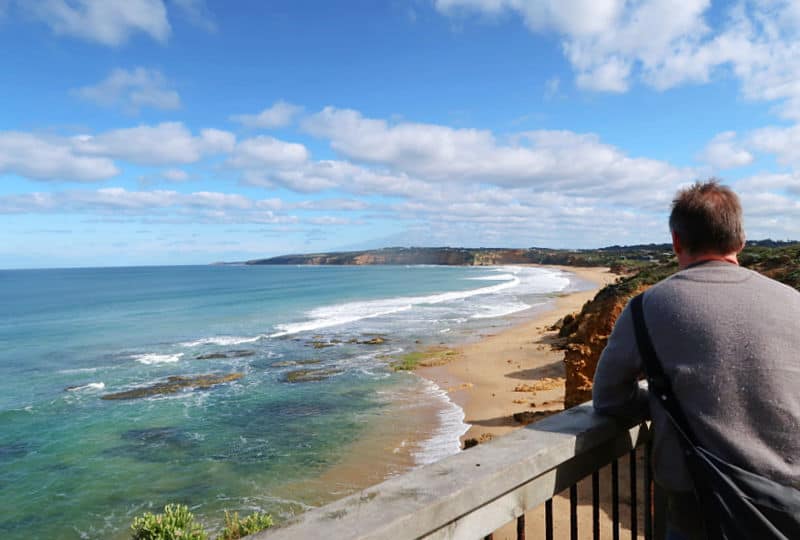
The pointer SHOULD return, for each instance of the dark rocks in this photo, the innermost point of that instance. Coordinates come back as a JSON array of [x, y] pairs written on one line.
[[290, 363], [377, 340], [175, 384], [211, 356], [240, 353], [311, 375]]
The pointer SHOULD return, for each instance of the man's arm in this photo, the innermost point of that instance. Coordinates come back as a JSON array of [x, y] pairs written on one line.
[[616, 390]]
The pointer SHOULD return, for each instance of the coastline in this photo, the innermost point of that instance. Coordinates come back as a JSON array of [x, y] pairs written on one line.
[[480, 378], [515, 370]]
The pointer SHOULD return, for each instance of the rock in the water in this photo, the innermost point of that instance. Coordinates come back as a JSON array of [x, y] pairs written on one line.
[[311, 375], [321, 344], [289, 363], [377, 340], [175, 384], [241, 353], [211, 356]]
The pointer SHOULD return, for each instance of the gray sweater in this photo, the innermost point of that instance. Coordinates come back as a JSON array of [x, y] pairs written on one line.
[[729, 341]]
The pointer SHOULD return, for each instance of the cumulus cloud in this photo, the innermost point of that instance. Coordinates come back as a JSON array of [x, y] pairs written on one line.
[[50, 159], [538, 159], [612, 43], [109, 22], [264, 151], [163, 144], [725, 152], [783, 142], [201, 206], [280, 114], [132, 90]]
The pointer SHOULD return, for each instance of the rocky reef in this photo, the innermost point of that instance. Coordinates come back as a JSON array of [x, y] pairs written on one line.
[[175, 384]]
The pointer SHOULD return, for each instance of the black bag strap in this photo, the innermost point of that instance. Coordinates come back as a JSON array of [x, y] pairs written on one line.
[[657, 380]]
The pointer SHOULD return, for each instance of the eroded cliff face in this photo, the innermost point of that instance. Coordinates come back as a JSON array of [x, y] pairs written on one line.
[[587, 333], [591, 330]]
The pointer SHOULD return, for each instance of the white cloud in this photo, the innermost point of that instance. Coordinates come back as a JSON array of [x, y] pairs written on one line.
[[163, 144], [43, 158], [551, 87], [612, 43], [132, 90], [175, 175], [725, 152], [280, 114], [202, 206], [577, 17], [560, 160], [264, 151], [783, 142], [197, 12], [110, 22]]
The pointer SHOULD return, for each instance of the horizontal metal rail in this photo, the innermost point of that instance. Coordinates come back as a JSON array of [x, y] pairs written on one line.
[[472, 494]]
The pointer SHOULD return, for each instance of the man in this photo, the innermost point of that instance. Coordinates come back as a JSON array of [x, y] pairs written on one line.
[[729, 341]]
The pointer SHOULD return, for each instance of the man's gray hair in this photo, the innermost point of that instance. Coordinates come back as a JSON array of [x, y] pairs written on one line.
[[707, 218]]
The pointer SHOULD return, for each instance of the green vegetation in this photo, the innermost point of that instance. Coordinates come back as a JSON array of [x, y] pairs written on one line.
[[434, 356], [408, 362], [236, 528], [177, 523]]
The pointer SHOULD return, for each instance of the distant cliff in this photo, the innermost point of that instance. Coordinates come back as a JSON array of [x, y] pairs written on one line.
[[632, 255]]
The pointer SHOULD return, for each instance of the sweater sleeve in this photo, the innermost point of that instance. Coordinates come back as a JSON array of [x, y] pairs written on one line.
[[616, 390]]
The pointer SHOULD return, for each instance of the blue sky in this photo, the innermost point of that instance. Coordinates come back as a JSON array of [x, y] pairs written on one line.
[[189, 131]]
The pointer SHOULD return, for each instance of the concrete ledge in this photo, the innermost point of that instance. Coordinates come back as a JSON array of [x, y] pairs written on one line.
[[473, 493]]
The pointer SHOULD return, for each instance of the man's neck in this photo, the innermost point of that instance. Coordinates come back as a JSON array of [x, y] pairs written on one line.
[[691, 260]]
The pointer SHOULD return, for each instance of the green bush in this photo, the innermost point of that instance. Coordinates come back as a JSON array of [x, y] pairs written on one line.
[[176, 523], [236, 528]]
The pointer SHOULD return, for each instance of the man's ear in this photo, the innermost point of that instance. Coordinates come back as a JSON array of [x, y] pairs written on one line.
[[676, 244]]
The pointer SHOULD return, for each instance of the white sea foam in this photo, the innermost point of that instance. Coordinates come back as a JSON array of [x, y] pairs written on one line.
[[325, 317], [222, 340], [445, 440], [500, 310], [494, 277], [149, 359], [90, 386], [78, 370]]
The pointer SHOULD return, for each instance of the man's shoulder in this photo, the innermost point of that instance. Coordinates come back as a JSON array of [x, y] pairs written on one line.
[[725, 273]]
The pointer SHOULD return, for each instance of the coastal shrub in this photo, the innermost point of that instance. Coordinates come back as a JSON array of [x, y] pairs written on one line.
[[236, 528], [176, 523]]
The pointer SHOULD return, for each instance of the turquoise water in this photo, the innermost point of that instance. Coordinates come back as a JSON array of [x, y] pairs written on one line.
[[73, 465]]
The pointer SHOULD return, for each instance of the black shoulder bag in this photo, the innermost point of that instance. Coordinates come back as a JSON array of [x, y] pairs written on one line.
[[736, 504]]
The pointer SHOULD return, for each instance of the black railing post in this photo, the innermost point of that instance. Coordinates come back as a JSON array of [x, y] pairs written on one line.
[[615, 499], [634, 517]]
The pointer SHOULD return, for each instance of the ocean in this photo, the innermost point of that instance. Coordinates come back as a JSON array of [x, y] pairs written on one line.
[[305, 352]]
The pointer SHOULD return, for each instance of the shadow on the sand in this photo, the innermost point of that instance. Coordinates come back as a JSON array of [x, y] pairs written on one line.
[[497, 421], [554, 369]]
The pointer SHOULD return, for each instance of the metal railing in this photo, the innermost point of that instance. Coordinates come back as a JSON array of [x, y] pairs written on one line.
[[497, 485]]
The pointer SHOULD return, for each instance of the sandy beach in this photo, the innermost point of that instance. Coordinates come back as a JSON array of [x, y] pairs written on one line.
[[518, 371], [514, 371]]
